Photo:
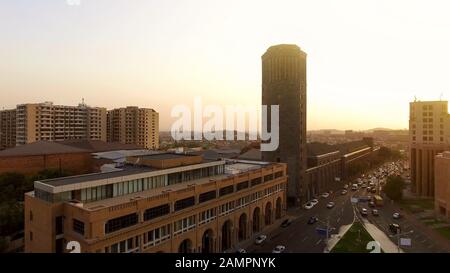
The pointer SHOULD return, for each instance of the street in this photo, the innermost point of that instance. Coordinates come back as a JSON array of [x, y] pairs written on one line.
[[301, 237]]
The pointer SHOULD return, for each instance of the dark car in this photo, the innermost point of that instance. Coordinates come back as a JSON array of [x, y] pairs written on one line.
[[312, 220], [286, 223], [395, 228]]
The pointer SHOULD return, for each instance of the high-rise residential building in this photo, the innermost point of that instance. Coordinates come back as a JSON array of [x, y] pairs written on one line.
[[442, 182], [157, 203], [284, 84], [46, 121], [7, 128], [429, 130], [133, 125]]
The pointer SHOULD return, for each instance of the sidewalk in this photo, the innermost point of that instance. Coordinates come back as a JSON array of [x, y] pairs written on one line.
[[386, 244]]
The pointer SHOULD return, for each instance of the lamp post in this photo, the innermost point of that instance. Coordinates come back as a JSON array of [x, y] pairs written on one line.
[[398, 237], [327, 233]]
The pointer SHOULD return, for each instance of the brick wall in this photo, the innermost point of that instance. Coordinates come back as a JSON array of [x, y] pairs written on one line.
[[75, 163]]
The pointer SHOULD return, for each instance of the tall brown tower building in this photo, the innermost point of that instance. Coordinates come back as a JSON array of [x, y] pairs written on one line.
[[284, 84]]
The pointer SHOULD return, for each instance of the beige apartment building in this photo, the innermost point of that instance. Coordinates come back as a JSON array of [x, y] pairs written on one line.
[[133, 125], [429, 129], [7, 128], [157, 203], [46, 121], [442, 181]]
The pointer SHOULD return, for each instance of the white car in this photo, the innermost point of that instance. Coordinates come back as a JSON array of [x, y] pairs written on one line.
[[260, 239], [279, 249], [325, 195], [344, 192], [396, 215], [364, 212], [330, 205], [309, 205], [345, 186], [314, 202]]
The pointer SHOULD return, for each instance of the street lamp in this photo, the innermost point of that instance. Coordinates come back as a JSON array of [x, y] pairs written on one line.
[[398, 237], [328, 228]]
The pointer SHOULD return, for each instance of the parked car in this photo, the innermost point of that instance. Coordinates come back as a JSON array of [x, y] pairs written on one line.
[[364, 186], [354, 187], [364, 212], [344, 192], [371, 204], [395, 228], [345, 186], [396, 215], [374, 190], [375, 212], [260, 239], [312, 220], [330, 205], [279, 249], [325, 195], [286, 223], [241, 251], [309, 205], [314, 201]]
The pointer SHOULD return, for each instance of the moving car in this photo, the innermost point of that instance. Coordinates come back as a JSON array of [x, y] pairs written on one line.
[[364, 212], [309, 205], [375, 212], [279, 249], [260, 239], [286, 223], [325, 195], [396, 215], [395, 228], [330, 205], [312, 220]]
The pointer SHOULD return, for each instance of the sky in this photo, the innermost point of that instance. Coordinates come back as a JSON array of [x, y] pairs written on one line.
[[366, 59]]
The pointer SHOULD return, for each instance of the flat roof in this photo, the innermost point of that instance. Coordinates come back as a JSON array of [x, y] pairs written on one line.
[[128, 170], [165, 156]]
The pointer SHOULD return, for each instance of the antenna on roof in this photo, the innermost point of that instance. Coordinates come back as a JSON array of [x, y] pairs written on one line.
[[415, 98]]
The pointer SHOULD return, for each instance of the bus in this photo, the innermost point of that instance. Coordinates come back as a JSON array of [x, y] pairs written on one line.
[[378, 200]]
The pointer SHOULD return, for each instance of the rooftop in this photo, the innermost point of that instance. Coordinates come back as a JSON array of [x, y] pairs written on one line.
[[41, 148], [165, 156]]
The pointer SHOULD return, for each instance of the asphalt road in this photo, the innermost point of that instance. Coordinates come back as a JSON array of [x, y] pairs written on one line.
[[300, 237], [420, 243]]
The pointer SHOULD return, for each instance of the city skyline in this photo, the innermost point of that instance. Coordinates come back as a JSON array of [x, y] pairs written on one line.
[[162, 54]]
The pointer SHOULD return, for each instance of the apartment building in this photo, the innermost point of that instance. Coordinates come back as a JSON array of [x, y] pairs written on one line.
[[157, 203], [7, 128], [133, 125], [49, 122], [429, 134], [442, 181]]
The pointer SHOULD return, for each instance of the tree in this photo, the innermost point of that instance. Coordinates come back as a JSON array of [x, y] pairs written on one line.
[[394, 187]]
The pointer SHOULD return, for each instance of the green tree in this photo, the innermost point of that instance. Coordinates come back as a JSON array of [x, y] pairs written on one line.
[[394, 187]]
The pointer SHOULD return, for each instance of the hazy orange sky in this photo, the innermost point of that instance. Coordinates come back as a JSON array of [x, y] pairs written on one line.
[[366, 59]]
